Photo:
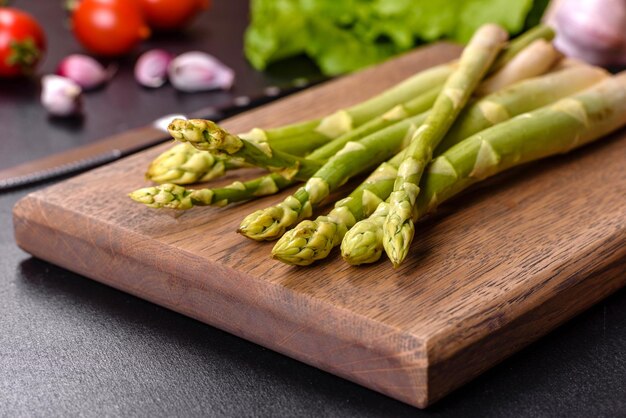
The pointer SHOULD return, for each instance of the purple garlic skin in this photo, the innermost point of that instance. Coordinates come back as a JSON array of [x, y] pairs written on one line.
[[85, 71], [151, 68], [199, 71], [591, 30], [61, 96]]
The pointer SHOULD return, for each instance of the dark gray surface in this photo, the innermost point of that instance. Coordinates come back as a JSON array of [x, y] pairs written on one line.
[[70, 346]]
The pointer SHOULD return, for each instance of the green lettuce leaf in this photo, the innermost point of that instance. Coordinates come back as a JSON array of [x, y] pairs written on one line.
[[345, 35]]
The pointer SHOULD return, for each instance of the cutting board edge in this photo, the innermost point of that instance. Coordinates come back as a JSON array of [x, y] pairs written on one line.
[[530, 326], [26, 220]]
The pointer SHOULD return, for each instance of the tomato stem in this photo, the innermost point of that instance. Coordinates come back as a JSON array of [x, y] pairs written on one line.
[[24, 54]]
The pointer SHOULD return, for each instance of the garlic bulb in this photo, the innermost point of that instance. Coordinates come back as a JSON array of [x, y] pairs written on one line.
[[61, 96], [199, 71], [591, 30]]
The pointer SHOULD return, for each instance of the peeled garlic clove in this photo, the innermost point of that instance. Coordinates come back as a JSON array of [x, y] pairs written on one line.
[[61, 96], [151, 68], [85, 71], [199, 71]]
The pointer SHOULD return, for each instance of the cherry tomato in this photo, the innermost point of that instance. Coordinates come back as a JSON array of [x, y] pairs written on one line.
[[22, 42], [109, 27], [171, 14]]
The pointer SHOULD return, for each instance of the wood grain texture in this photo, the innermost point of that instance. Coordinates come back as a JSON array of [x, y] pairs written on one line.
[[492, 271]]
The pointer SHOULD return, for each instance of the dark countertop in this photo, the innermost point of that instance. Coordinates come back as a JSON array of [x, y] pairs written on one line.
[[71, 346]]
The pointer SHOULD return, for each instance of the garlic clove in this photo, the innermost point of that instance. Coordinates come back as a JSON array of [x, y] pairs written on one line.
[[85, 71], [151, 68], [61, 96], [199, 71]]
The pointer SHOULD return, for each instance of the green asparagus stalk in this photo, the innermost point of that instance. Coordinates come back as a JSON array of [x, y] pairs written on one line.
[[313, 240], [557, 128], [363, 243], [208, 136], [519, 98], [188, 173], [356, 156], [475, 62], [344, 120], [183, 164], [173, 196], [310, 241]]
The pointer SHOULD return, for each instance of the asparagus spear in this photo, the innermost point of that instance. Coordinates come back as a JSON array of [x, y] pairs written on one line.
[[518, 98], [356, 156], [188, 173], [312, 240], [476, 59], [557, 128], [516, 45], [363, 243], [208, 136], [183, 164], [344, 120], [173, 196], [521, 97], [532, 61]]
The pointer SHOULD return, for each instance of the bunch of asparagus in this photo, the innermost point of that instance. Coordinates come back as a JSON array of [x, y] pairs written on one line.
[[423, 141]]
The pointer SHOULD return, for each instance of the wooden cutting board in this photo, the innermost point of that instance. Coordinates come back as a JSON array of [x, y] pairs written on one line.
[[492, 271]]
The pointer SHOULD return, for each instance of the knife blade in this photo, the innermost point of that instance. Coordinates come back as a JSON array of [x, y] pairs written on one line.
[[126, 143]]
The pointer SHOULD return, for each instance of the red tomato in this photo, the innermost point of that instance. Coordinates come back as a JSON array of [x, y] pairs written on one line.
[[22, 42], [171, 14], [109, 27]]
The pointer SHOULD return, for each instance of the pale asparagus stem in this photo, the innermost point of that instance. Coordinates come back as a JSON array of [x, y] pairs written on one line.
[[532, 61], [207, 135], [172, 196], [336, 123], [356, 157], [568, 62], [515, 46], [313, 240], [475, 61], [557, 128]]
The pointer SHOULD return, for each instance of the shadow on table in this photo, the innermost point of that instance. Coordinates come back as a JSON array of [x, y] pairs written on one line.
[[565, 371]]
